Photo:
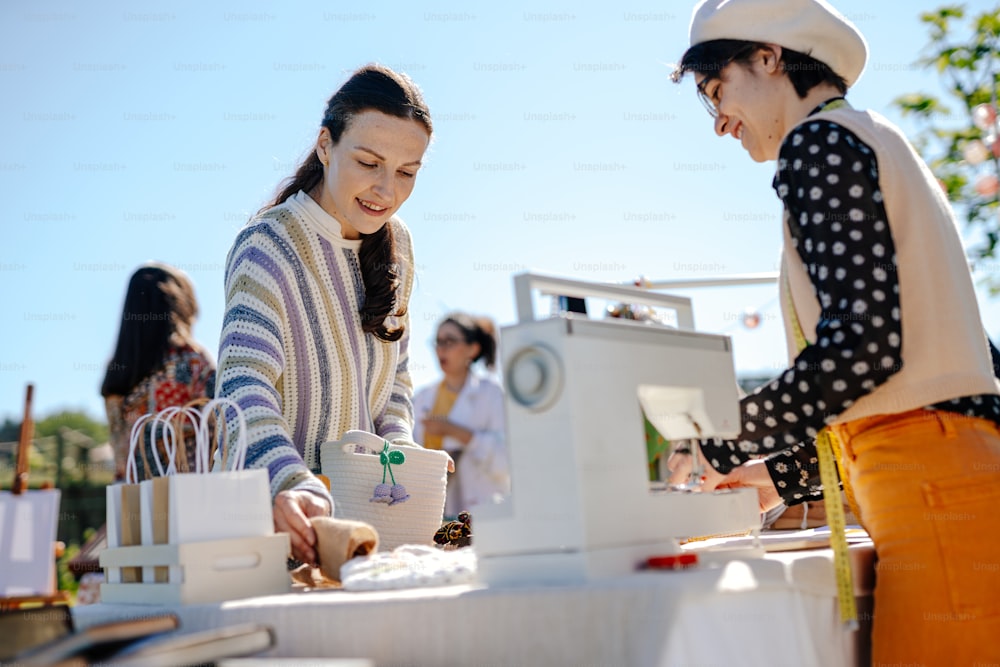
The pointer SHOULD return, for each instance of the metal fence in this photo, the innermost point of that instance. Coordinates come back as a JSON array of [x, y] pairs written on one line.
[[72, 462]]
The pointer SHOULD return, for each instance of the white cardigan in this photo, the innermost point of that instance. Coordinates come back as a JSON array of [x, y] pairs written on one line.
[[482, 470]]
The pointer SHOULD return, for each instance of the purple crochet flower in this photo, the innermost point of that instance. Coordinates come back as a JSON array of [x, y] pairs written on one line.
[[399, 494], [382, 494]]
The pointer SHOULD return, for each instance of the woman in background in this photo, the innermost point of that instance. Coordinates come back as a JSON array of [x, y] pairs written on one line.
[[157, 364], [315, 334], [463, 413]]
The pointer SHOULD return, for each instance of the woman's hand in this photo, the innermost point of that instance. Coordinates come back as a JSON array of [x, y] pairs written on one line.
[[441, 426], [752, 474], [436, 426], [680, 464], [292, 510]]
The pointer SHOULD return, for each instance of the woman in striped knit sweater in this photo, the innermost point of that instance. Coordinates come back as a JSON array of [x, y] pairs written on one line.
[[314, 340]]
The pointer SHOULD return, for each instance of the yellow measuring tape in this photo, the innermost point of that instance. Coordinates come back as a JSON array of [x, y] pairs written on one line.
[[828, 452]]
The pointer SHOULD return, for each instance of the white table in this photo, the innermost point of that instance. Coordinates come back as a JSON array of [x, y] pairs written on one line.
[[779, 610]]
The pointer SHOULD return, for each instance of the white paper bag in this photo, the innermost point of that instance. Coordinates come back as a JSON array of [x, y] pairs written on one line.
[[154, 493], [201, 506], [123, 518], [228, 502]]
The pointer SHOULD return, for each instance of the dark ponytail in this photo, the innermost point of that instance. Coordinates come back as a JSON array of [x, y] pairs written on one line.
[[371, 88], [307, 177]]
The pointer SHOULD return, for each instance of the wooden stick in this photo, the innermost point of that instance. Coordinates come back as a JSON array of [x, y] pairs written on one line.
[[27, 433]]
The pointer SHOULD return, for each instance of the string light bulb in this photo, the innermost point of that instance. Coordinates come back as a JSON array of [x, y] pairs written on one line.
[[751, 318]]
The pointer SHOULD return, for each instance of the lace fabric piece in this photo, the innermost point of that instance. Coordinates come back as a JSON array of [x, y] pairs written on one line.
[[409, 566]]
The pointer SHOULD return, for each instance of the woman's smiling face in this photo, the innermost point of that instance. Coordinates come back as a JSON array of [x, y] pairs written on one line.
[[371, 171], [749, 101]]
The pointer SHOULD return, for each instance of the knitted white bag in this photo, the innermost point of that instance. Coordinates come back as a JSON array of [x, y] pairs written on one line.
[[403, 498]]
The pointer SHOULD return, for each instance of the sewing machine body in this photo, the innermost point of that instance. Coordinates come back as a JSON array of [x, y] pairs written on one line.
[[581, 503]]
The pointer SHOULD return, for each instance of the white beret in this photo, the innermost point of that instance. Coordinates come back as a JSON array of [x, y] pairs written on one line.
[[811, 27]]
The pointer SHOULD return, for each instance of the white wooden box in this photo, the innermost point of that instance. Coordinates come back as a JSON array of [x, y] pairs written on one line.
[[210, 571]]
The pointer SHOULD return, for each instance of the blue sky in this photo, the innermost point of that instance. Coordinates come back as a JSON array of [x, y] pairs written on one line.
[[153, 131]]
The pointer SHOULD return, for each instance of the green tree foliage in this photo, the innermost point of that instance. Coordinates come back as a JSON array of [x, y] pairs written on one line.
[[10, 430], [74, 420], [962, 146], [60, 451]]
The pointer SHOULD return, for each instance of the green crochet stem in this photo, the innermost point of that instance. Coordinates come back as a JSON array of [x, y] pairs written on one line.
[[386, 465]]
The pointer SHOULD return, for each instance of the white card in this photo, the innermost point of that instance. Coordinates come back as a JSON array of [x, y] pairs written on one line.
[[28, 524]]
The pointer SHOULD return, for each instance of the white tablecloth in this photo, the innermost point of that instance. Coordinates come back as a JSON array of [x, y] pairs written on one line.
[[780, 610]]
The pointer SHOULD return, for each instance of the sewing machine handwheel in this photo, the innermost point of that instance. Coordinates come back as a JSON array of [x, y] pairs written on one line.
[[534, 377]]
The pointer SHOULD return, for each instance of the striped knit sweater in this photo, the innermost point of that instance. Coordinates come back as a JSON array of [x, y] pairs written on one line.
[[292, 353]]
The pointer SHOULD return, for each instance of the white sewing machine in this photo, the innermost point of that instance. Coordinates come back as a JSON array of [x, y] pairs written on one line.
[[581, 503]]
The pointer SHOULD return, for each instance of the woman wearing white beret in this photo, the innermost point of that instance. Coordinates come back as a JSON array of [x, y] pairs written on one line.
[[887, 350]]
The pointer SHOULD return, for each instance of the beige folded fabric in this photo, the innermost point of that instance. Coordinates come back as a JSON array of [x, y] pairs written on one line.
[[340, 540], [310, 577]]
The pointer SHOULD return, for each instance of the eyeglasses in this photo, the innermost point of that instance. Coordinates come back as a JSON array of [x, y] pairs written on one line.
[[711, 105], [706, 101], [447, 343]]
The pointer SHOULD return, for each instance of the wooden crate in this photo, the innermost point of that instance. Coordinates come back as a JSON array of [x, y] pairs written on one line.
[[209, 571]]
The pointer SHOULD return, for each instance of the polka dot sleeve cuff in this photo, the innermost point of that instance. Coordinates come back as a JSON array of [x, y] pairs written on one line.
[[795, 473]]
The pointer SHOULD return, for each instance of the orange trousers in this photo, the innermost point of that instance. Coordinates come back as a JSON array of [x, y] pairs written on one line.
[[927, 484]]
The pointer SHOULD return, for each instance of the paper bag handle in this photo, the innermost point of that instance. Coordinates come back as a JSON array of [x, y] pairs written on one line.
[[238, 456], [169, 441], [175, 415], [195, 405], [134, 437]]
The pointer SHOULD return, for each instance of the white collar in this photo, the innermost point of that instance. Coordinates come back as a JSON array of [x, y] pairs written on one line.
[[325, 224]]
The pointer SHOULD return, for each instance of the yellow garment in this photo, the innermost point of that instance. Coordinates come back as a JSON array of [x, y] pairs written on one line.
[[928, 484], [443, 402]]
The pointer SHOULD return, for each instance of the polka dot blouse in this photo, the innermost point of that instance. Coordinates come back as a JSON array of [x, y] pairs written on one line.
[[828, 180]]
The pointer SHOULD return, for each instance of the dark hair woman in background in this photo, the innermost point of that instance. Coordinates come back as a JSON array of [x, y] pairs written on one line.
[[157, 363]]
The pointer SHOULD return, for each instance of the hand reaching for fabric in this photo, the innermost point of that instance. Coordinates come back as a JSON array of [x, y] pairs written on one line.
[[292, 511]]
